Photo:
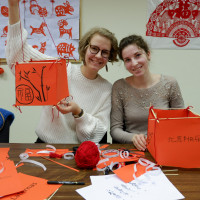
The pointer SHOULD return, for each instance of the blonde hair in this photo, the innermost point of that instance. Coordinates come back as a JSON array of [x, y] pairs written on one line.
[[85, 40]]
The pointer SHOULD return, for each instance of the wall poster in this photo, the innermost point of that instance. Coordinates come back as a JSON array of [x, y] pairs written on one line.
[[52, 25], [173, 24]]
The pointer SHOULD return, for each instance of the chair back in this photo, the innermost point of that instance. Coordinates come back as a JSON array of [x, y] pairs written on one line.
[[104, 139], [6, 119]]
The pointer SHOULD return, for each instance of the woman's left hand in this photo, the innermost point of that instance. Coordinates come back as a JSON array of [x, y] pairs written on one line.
[[139, 141], [68, 107]]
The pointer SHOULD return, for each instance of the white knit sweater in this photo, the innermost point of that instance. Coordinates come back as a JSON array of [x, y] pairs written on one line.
[[93, 96]]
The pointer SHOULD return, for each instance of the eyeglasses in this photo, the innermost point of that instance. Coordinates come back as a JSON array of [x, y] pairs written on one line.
[[95, 49]]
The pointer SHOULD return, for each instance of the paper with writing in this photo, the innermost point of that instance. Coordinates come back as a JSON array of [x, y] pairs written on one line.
[[10, 181], [149, 187], [34, 188]]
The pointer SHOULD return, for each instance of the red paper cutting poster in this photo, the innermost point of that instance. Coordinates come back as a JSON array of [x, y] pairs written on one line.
[[173, 24], [41, 82], [52, 25]]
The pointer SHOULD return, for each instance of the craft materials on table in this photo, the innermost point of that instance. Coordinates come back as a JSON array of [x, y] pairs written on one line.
[[8, 175], [87, 155], [32, 188], [28, 186], [23, 186], [51, 152], [138, 180], [149, 186], [66, 182], [134, 175]]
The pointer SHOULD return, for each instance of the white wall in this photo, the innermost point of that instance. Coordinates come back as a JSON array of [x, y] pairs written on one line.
[[122, 18]]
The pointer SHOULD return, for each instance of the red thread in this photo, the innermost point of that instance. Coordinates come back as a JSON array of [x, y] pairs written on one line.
[[55, 155], [87, 155], [17, 108], [54, 62], [52, 114], [47, 28], [12, 66], [52, 1]]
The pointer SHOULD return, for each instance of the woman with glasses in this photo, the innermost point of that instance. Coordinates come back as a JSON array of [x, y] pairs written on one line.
[[86, 117], [132, 96]]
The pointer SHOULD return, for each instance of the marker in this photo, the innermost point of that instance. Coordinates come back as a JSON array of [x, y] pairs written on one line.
[[66, 182]]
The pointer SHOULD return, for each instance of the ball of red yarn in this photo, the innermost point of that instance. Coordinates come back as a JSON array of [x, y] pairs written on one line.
[[87, 155]]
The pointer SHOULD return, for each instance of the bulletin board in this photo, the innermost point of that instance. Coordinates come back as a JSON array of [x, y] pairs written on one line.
[[53, 26]]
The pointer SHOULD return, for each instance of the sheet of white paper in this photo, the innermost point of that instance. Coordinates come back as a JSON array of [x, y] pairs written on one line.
[[92, 192], [149, 186]]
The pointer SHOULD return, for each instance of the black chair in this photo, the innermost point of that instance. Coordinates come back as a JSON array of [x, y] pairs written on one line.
[[115, 142], [104, 139], [6, 119]]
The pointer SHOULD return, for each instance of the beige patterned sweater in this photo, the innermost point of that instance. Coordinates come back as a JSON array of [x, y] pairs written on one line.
[[129, 113]]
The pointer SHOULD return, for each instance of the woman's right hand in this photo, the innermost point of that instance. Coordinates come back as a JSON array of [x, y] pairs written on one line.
[[66, 107], [139, 141]]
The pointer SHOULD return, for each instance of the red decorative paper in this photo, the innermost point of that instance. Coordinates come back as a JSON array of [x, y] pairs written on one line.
[[41, 82], [62, 10], [173, 137], [177, 19], [52, 25]]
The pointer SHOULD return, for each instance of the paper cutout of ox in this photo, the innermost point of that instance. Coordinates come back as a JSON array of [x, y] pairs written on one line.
[[173, 137], [41, 82]]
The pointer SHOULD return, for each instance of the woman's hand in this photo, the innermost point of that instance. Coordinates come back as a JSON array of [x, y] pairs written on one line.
[[68, 107], [139, 141]]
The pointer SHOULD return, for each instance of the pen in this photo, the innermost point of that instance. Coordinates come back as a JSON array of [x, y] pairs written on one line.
[[66, 182]]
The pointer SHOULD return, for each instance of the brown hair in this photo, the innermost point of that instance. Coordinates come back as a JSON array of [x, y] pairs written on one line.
[[85, 40], [133, 39]]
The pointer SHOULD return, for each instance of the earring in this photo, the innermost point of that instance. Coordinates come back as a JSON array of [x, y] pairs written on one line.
[[106, 67]]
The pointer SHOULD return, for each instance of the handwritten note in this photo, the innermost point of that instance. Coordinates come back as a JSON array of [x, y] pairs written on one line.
[[149, 186]]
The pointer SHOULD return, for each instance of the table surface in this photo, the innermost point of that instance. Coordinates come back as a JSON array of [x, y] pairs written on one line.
[[187, 181]]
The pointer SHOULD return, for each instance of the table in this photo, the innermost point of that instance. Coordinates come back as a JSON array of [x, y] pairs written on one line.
[[187, 181]]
